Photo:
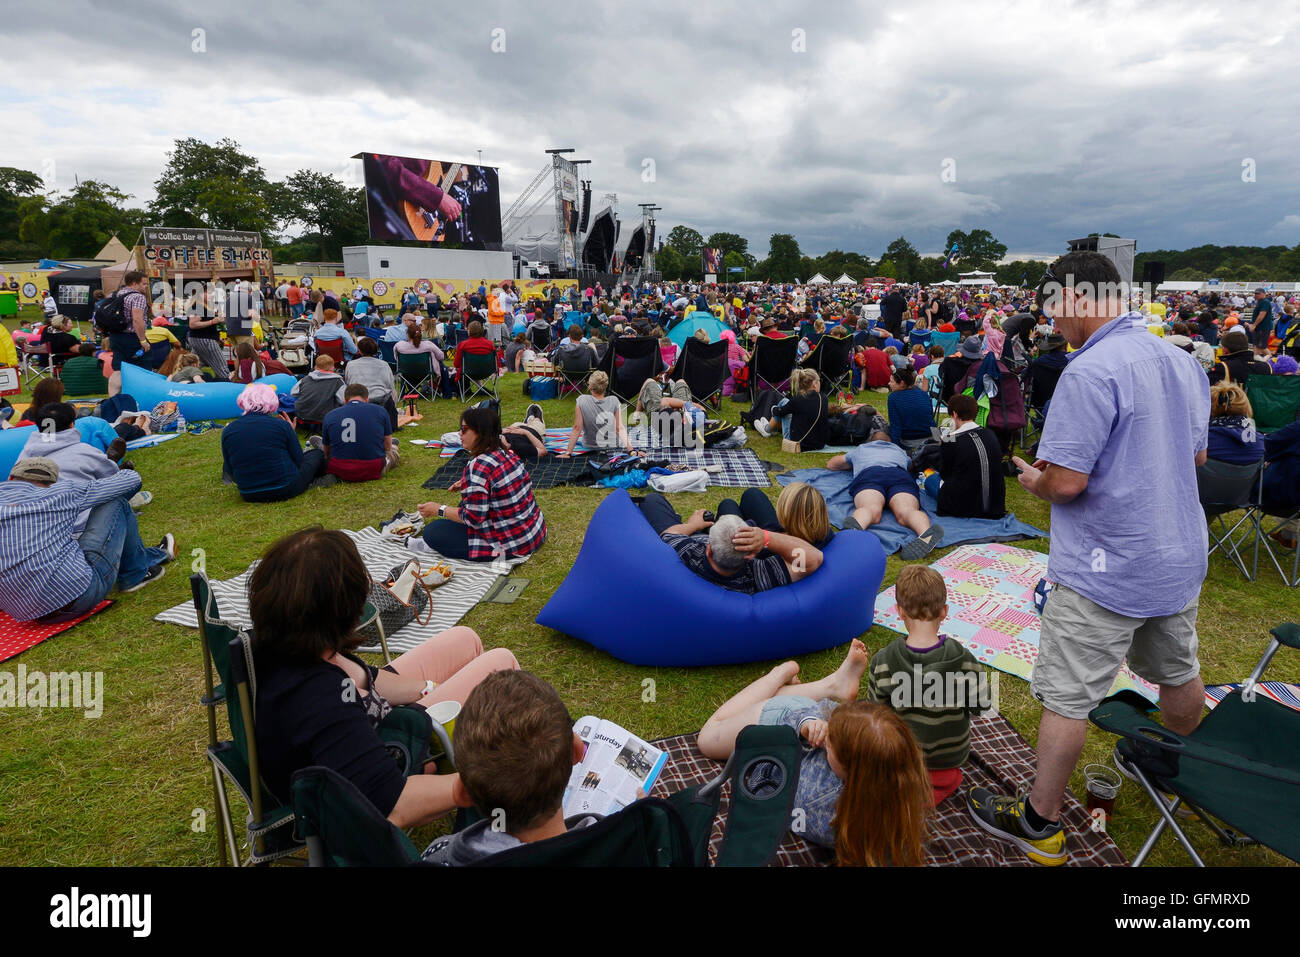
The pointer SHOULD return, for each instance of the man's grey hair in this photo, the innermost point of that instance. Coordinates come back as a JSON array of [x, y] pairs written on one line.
[[721, 549], [863, 323]]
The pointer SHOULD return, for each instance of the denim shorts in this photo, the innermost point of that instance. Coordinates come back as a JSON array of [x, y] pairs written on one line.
[[789, 709]]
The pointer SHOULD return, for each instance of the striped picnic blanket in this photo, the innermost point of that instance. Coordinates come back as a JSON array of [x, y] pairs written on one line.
[[1000, 759], [469, 583], [1280, 691]]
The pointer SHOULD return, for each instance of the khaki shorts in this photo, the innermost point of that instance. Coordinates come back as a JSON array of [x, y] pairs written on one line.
[[1082, 646]]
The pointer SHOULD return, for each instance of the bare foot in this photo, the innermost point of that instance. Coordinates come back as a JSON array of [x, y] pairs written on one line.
[[847, 680], [787, 671]]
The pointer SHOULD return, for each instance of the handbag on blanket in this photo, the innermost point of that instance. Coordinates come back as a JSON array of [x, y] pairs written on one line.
[[403, 597]]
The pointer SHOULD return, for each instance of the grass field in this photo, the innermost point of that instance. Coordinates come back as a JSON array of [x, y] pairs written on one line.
[[124, 789]]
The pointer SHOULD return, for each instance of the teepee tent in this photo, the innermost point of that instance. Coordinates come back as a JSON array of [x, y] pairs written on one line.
[[845, 280], [819, 280], [114, 251]]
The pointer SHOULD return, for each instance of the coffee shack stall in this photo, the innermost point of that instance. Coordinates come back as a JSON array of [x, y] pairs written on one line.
[[200, 255]]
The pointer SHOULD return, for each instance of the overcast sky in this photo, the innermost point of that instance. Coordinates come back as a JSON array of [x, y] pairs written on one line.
[[834, 122]]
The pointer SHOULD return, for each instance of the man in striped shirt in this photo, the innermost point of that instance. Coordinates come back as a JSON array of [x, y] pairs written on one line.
[[46, 573], [733, 555]]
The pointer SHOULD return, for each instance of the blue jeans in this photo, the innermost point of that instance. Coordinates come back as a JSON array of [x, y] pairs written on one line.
[[115, 554]]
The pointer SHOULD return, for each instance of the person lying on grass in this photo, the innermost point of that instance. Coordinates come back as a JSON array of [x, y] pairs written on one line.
[[737, 556], [863, 788], [880, 478]]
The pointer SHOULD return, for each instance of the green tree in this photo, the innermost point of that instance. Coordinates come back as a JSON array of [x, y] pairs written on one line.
[[81, 222], [885, 269], [733, 258], [782, 264], [904, 257], [213, 185], [1186, 275], [15, 186], [686, 241], [977, 249], [319, 201], [669, 262]]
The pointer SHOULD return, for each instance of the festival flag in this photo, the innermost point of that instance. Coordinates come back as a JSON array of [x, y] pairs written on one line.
[[948, 258]]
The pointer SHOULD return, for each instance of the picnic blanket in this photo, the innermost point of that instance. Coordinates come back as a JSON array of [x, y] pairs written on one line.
[[469, 583], [557, 440], [834, 487], [1280, 691], [991, 610], [17, 636], [158, 438], [547, 472], [1000, 759]]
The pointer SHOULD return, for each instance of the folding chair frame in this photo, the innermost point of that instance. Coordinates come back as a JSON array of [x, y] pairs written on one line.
[[1224, 538], [405, 384], [1291, 580], [486, 386]]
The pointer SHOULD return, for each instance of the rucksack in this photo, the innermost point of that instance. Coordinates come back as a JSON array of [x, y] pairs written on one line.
[[110, 315]]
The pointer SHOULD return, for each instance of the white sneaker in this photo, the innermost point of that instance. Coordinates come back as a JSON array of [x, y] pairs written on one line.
[[763, 427]]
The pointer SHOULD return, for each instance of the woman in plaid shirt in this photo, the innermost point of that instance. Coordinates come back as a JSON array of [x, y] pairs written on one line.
[[497, 516]]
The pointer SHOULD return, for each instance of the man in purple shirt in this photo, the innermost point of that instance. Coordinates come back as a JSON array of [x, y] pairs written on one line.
[[1127, 427]]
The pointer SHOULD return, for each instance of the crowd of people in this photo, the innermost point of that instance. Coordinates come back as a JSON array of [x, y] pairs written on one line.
[[961, 375]]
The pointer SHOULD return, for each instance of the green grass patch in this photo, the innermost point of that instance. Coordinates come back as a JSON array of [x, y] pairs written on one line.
[[124, 789]]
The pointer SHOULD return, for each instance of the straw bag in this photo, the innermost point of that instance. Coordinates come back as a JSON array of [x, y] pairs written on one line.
[[790, 445], [404, 597]]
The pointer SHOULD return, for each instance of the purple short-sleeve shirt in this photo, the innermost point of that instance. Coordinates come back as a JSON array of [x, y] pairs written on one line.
[[1131, 411]]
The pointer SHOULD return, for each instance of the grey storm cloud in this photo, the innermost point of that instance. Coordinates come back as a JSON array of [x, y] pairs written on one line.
[[834, 122]]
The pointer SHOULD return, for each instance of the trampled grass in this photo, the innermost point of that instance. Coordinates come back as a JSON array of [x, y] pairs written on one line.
[[133, 787]]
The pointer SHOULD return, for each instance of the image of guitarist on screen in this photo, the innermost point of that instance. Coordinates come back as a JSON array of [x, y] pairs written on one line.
[[406, 201]]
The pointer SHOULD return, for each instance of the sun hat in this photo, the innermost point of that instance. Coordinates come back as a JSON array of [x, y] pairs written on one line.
[[972, 348], [1051, 342]]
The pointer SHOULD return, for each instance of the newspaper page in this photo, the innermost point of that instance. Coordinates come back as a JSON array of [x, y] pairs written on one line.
[[616, 764]]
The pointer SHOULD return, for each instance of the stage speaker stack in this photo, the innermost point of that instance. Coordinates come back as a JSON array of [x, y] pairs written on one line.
[[1153, 274], [586, 205], [1119, 251]]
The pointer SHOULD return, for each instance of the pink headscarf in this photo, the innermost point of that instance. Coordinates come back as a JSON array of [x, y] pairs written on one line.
[[258, 398]]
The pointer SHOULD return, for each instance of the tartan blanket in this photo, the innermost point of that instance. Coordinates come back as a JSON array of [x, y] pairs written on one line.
[[557, 440], [546, 472], [1000, 759], [469, 583]]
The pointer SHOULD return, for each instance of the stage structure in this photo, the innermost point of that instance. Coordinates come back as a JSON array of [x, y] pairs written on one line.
[[1119, 251], [543, 226]]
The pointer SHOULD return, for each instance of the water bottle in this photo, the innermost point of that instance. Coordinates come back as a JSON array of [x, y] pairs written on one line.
[[180, 422]]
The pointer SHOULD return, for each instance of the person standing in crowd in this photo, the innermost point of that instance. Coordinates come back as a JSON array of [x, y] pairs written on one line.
[[1117, 461], [1261, 322], [128, 339]]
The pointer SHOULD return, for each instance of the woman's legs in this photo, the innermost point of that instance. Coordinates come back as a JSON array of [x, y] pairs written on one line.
[[728, 506], [756, 507], [449, 539], [717, 739], [456, 661]]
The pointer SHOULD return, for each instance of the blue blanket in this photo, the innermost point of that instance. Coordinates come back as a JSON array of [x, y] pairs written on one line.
[[834, 486]]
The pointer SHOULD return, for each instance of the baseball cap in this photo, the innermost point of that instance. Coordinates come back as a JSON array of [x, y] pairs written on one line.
[[38, 469]]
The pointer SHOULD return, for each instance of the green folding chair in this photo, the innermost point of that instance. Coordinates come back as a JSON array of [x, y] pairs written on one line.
[[1274, 400], [415, 373], [1241, 764], [227, 651], [478, 376]]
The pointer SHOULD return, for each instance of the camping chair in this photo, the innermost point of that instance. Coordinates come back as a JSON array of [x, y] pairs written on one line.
[[415, 371], [36, 362], [1292, 579], [388, 352], [770, 363], [703, 367], [1241, 764], [343, 828], [1224, 489], [540, 339], [332, 348], [641, 360], [479, 375], [405, 733], [1275, 400], [573, 369], [832, 357], [951, 341]]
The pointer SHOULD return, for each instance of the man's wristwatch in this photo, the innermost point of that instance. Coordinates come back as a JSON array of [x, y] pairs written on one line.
[[442, 510]]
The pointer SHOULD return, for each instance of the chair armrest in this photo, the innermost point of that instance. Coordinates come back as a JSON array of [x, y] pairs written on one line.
[[1120, 716], [1288, 634]]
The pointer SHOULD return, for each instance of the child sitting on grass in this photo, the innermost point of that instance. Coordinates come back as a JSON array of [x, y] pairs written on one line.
[[515, 750], [932, 681], [862, 785]]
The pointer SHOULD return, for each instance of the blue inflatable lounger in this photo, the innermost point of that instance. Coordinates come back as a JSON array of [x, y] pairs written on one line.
[[196, 400], [672, 617]]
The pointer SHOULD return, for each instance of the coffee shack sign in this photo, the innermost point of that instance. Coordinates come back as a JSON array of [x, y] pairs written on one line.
[[178, 250]]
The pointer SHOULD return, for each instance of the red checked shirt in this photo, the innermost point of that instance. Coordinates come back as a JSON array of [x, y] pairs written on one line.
[[498, 508]]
